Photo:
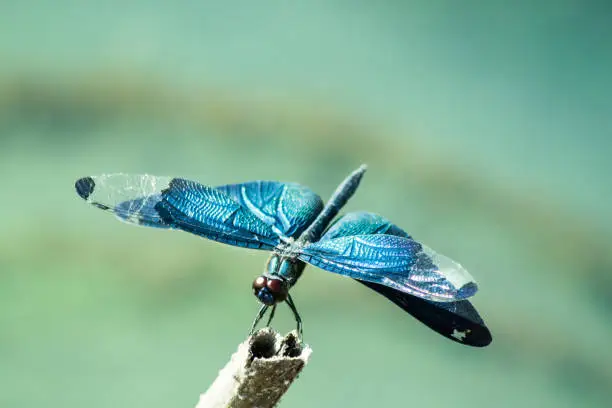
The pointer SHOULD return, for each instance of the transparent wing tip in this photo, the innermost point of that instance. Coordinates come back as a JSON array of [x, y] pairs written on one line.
[[462, 282], [84, 187]]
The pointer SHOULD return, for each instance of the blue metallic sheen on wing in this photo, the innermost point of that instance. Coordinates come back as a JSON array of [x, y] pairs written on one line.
[[362, 223], [398, 262], [288, 207], [443, 317], [210, 213], [162, 202]]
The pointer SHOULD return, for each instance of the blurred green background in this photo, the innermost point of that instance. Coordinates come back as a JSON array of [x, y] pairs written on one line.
[[487, 130]]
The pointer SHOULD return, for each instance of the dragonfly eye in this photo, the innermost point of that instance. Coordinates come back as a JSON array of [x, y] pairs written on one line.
[[261, 291], [278, 289], [259, 283]]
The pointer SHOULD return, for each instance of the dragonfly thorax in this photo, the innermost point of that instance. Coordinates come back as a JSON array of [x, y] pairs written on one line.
[[288, 268]]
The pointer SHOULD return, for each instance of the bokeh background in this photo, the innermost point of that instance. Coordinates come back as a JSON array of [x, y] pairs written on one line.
[[487, 130]]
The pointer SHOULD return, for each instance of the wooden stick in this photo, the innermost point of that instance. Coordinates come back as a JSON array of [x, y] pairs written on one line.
[[259, 373]]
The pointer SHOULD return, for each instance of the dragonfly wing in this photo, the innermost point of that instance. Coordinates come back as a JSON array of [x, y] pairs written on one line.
[[164, 202], [131, 198], [398, 262], [209, 212], [287, 207], [362, 223], [458, 321]]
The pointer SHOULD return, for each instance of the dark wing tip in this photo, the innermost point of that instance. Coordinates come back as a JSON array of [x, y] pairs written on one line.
[[484, 339], [467, 290], [458, 321], [84, 187]]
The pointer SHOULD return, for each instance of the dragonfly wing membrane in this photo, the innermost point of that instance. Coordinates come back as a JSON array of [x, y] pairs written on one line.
[[362, 223], [394, 261], [131, 198], [164, 202], [289, 208], [458, 321], [209, 212]]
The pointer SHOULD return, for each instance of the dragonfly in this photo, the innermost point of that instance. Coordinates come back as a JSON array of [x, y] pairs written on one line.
[[299, 229]]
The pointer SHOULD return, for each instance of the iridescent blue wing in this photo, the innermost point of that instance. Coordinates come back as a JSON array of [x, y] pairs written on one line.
[[458, 321], [287, 207], [362, 223], [394, 260], [209, 212], [176, 203]]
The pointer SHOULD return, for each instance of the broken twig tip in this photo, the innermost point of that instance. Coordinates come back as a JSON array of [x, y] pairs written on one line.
[[259, 373]]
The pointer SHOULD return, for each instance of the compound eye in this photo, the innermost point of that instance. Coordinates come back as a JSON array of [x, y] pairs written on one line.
[[277, 288], [259, 283]]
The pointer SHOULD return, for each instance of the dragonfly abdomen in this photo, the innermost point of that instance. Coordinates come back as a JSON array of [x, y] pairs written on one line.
[[345, 190]]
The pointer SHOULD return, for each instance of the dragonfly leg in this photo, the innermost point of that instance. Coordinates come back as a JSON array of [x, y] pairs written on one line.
[[262, 311], [298, 319], [271, 316]]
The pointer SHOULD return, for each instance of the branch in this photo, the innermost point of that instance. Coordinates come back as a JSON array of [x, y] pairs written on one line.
[[259, 373]]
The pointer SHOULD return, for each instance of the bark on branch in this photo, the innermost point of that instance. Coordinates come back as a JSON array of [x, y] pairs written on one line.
[[259, 372]]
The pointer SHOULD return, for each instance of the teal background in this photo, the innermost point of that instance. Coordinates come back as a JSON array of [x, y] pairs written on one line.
[[487, 130]]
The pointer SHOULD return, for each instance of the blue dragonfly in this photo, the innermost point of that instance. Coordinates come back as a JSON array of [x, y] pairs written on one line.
[[293, 223]]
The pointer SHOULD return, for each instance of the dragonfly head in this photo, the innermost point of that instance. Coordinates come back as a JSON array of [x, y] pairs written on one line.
[[270, 290]]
